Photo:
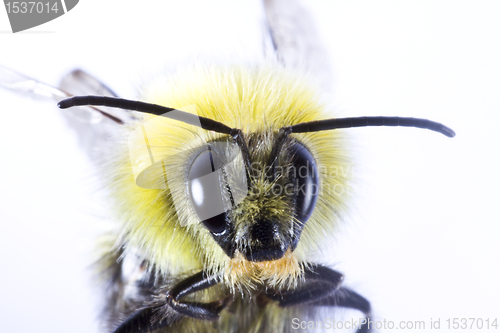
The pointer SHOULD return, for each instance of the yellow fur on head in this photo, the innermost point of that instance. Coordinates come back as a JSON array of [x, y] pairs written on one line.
[[255, 100]]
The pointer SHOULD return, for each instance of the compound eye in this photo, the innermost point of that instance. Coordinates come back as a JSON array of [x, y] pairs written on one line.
[[306, 177], [216, 224], [206, 190]]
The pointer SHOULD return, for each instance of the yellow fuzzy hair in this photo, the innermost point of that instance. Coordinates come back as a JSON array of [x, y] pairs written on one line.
[[253, 99]]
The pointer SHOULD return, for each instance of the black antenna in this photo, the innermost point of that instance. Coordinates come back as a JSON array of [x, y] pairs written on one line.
[[330, 124], [158, 110], [237, 134]]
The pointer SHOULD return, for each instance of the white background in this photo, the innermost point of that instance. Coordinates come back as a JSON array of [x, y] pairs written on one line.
[[423, 241]]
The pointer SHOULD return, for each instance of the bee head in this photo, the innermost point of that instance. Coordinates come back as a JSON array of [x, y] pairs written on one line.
[[255, 193], [256, 196]]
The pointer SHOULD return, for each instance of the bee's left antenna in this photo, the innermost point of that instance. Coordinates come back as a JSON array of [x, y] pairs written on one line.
[[158, 110]]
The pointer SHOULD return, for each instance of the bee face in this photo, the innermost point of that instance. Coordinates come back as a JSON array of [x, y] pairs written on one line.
[[229, 205], [281, 191]]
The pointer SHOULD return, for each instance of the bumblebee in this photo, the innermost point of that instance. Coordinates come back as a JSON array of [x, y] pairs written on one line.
[[221, 183]]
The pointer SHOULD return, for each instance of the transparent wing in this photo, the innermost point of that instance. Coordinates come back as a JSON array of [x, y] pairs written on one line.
[[82, 83], [21, 84], [93, 125], [290, 34]]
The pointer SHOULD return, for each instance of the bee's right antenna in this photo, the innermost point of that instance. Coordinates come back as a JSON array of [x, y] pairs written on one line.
[[330, 124]]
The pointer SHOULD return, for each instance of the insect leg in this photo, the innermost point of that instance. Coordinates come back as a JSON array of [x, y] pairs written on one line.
[[320, 282], [144, 319], [322, 288], [204, 311]]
